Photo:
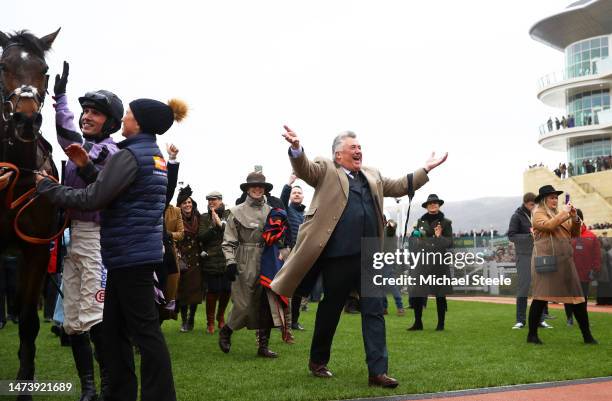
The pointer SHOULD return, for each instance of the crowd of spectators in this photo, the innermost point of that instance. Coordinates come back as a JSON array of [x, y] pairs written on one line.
[[478, 233], [569, 122], [600, 226]]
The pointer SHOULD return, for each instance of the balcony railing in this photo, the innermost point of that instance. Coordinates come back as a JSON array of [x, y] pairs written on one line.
[[601, 66], [600, 117], [545, 129]]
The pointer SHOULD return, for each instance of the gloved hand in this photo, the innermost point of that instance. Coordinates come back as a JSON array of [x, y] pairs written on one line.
[[60, 82], [231, 272]]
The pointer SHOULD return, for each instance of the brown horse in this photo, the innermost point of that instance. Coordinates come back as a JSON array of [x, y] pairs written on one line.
[[23, 151]]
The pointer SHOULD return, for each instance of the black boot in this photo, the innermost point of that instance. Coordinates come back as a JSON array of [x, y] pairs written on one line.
[[535, 315], [441, 308], [225, 339], [83, 359], [97, 337], [582, 317], [417, 305], [264, 339]]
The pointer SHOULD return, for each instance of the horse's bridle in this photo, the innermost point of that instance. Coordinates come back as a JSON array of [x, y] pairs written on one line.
[[11, 101], [15, 128]]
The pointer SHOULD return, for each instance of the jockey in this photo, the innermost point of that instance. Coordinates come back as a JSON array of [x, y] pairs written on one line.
[[84, 273]]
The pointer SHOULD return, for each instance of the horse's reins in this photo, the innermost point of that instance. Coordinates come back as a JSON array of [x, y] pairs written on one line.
[[29, 196]]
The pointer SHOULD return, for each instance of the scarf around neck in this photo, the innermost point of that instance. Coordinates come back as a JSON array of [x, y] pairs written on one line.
[[191, 223]]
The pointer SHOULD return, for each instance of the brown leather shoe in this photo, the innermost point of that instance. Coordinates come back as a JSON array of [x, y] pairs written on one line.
[[225, 339], [319, 370], [383, 381]]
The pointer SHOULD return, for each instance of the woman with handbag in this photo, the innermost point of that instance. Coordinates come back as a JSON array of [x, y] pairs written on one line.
[[555, 278]]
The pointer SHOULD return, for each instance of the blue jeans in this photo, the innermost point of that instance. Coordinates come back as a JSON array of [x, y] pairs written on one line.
[[397, 297]]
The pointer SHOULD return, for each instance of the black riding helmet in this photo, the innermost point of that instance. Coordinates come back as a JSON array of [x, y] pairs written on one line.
[[108, 103]]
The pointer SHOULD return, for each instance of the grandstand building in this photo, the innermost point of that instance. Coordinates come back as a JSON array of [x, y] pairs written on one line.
[[581, 92]]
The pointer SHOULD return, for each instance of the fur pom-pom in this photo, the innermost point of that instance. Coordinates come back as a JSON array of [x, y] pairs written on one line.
[[179, 108]]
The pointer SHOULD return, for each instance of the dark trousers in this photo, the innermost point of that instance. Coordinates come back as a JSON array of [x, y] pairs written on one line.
[[296, 303], [130, 313], [523, 269], [340, 276]]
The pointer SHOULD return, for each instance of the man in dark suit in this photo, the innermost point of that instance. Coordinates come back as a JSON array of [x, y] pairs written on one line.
[[346, 207]]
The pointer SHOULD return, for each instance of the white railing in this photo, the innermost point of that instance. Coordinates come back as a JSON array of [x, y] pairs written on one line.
[[545, 129], [598, 66]]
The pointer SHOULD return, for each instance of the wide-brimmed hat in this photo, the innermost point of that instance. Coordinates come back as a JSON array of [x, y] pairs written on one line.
[[214, 195], [432, 198], [545, 191], [256, 179]]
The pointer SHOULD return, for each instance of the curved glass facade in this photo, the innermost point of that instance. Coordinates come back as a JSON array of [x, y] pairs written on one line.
[[584, 106], [580, 56], [587, 151]]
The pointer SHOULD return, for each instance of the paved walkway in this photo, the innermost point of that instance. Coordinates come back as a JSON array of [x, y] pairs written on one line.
[[596, 389], [511, 301]]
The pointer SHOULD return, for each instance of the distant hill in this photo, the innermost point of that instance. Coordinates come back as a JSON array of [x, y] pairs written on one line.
[[473, 214]]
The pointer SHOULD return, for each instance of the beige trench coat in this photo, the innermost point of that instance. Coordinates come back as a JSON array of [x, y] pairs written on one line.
[[555, 232], [243, 245], [329, 200]]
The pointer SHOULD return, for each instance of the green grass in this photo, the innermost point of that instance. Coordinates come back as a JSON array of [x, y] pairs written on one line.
[[478, 349]]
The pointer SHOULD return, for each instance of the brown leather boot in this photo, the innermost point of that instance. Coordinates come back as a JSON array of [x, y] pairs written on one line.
[[264, 339], [224, 299], [211, 304]]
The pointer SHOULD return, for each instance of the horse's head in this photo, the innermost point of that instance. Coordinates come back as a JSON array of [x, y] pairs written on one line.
[[23, 81]]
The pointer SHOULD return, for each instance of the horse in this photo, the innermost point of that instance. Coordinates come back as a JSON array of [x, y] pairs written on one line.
[[23, 152]]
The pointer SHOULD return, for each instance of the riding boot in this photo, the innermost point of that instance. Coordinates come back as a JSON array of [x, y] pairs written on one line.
[[225, 339], [83, 359], [535, 315], [417, 305], [211, 304], [192, 312], [264, 339], [441, 309], [224, 298], [100, 352], [582, 317]]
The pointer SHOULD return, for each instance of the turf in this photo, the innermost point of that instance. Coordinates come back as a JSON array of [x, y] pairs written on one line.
[[477, 349]]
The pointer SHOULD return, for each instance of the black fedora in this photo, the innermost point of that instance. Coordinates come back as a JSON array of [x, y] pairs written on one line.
[[545, 191], [256, 179], [432, 198]]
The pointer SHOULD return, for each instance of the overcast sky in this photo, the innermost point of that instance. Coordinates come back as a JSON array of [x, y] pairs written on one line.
[[408, 77]]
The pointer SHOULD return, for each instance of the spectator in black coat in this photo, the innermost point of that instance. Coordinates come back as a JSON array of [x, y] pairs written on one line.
[[519, 232], [292, 198]]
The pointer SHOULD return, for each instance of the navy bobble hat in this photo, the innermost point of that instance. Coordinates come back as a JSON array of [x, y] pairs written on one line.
[[153, 116]]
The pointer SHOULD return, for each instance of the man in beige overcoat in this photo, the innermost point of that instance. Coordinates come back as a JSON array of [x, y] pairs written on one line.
[[347, 206]]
